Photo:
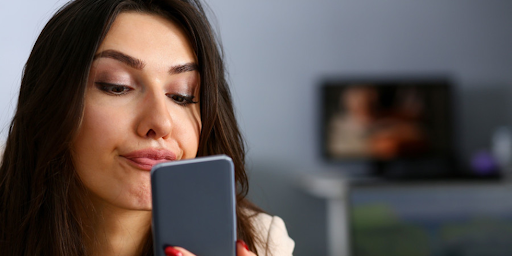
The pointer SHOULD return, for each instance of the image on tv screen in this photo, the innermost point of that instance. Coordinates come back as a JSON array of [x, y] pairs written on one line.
[[386, 120]]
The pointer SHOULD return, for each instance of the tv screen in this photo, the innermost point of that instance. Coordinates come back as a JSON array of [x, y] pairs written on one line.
[[399, 124]]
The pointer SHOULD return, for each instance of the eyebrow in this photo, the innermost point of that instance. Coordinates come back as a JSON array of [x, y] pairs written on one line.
[[183, 68], [126, 59], [139, 64]]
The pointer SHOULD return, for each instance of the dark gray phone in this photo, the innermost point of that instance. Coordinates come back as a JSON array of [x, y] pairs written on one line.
[[194, 206]]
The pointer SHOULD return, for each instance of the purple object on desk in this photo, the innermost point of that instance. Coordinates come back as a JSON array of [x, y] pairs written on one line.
[[484, 164]]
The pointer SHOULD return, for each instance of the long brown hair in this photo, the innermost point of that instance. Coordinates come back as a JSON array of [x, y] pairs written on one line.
[[40, 192]]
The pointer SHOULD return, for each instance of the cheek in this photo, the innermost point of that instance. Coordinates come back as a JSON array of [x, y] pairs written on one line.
[[98, 128], [95, 153], [98, 136], [188, 132]]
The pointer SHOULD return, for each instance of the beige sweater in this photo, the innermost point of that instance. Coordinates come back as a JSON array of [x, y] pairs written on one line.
[[272, 230]]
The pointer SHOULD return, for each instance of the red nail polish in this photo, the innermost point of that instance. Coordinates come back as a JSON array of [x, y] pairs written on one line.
[[171, 251], [243, 244]]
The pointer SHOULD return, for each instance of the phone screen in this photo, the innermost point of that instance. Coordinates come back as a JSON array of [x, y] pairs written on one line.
[[194, 206]]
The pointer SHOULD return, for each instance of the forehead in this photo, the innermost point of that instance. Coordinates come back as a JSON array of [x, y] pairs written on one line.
[[149, 37]]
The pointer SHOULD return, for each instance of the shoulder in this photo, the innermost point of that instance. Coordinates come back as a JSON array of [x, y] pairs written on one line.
[[271, 230]]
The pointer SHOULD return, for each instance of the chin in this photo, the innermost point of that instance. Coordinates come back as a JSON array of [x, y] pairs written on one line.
[[140, 199], [146, 205], [145, 208], [143, 203], [138, 205]]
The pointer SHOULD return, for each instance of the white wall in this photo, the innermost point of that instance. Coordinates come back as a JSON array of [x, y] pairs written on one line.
[[20, 24], [277, 51]]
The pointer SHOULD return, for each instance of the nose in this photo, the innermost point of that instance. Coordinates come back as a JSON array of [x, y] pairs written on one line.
[[155, 120]]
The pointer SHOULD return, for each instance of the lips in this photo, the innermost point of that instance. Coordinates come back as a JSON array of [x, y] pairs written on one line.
[[145, 159]]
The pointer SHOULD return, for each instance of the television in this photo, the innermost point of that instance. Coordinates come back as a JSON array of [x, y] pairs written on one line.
[[401, 127]]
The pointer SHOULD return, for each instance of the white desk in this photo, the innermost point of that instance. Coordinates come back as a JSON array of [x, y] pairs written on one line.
[[335, 189]]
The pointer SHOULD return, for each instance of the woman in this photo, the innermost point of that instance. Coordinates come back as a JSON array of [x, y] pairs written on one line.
[[111, 88]]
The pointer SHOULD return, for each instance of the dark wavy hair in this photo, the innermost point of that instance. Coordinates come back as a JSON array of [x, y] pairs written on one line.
[[40, 191]]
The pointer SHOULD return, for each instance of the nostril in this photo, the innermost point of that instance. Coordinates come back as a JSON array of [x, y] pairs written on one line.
[[151, 133]]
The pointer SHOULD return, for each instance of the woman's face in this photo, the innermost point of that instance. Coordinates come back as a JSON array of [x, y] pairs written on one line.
[[141, 108]]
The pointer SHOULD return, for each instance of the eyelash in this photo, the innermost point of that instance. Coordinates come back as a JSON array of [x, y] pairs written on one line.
[[106, 87], [180, 99]]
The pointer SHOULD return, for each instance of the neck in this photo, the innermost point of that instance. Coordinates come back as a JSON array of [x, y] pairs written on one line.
[[115, 231]]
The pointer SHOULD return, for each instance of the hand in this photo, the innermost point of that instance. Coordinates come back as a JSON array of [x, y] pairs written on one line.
[[241, 250]]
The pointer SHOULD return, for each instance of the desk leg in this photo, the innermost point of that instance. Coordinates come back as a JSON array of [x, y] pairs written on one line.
[[337, 227]]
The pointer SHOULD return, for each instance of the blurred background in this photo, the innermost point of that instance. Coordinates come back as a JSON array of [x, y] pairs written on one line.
[[281, 53]]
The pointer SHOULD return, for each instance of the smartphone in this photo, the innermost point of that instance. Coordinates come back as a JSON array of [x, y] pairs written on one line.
[[194, 206]]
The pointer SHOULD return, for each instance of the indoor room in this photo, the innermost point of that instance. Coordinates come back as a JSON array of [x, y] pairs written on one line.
[[372, 128]]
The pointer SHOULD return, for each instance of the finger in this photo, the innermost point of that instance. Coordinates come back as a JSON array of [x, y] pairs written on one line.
[[177, 251], [242, 249]]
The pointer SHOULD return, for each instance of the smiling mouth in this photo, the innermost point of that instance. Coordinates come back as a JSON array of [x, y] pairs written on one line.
[[145, 159]]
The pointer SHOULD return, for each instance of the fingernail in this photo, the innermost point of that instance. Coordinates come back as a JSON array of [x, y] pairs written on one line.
[[171, 251], [242, 243]]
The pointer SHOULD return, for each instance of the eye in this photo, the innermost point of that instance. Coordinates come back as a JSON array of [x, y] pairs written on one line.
[[113, 89], [181, 99]]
